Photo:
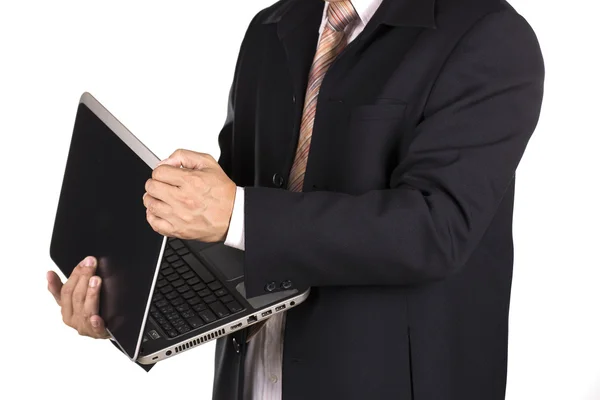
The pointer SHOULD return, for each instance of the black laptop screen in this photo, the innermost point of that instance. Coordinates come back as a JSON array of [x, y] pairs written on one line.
[[101, 213]]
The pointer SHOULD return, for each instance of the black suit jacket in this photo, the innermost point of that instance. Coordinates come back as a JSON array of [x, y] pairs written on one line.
[[404, 228]]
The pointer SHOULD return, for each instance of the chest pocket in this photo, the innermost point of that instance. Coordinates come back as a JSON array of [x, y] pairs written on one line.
[[363, 150]]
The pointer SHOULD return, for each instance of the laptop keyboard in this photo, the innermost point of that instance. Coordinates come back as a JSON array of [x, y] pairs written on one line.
[[185, 299]]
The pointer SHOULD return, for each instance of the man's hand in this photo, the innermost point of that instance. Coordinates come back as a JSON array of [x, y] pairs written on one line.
[[79, 298], [190, 197]]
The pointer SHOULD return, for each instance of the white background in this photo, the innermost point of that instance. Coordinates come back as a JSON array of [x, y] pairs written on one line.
[[164, 69]]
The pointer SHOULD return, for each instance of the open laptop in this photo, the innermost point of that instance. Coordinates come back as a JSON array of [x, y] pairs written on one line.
[[160, 296]]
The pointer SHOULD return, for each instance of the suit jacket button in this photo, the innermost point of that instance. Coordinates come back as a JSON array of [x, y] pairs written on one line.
[[278, 180], [286, 284], [270, 287]]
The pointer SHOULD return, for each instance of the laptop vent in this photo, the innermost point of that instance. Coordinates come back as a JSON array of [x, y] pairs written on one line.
[[202, 339]]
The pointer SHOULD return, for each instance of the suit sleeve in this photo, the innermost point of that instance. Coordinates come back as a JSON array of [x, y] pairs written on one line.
[[480, 115]]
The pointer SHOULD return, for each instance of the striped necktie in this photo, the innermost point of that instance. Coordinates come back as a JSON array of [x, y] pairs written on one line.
[[333, 40]]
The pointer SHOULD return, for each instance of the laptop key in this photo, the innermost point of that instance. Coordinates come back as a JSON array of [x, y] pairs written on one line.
[[219, 309], [204, 293], [182, 307], [167, 271], [172, 333], [177, 302], [188, 275], [166, 289], [176, 244], [194, 300], [172, 296], [188, 295], [195, 322], [183, 269], [183, 328], [188, 314], [173, 258], [166, 325], [178, 264], [200, 307], [215, 285], [160, 283], [193, 262], [207, 316], [169, 252], [172, 316], [193, 281], [183, 251], [226, 299], [221, 292], [167, 310], [234, 306], [157, 296], [177, 283], [199, 286], [172, 277], [209, 299], [183, 289]]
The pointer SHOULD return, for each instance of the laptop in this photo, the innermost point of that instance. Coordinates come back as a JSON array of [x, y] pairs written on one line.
[[160, 296]]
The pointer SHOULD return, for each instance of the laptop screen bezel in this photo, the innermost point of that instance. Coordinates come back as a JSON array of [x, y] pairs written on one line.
[[150, 159]]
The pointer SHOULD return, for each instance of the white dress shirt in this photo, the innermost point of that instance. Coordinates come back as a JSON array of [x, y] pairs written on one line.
[[262, 380]]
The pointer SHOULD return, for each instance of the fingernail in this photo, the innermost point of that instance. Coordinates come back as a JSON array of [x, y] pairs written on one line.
[[95, 323], [93, 282], [89, 262]]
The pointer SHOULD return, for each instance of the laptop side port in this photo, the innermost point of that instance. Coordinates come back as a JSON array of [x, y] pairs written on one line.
[[252, 319], [281, 307], [236, 326], [267, 313]]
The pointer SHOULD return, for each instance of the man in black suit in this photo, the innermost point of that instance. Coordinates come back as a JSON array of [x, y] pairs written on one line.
[[392, 197]]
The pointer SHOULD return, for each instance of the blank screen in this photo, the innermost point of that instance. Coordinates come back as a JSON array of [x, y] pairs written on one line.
[[101, 213]]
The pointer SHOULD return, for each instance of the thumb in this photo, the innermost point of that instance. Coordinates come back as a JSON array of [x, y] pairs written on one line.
[[189, 159]]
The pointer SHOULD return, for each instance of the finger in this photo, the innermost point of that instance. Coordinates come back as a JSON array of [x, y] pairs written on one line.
[[172, 176], [91, 304], [54, 285], [99, 327], [189, 159], [68, 288], [160, 225], [91, 307], [157, 207], [88, 269], [161, 190]]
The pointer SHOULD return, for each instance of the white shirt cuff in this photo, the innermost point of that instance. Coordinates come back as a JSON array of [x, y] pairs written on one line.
[[235, 234]]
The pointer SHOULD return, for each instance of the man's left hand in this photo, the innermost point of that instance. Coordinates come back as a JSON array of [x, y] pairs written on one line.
[[190, 197]]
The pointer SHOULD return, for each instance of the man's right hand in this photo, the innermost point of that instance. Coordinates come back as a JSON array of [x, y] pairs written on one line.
[[79, 298]]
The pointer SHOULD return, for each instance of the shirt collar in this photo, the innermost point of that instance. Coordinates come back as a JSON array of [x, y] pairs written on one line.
[[364, 8]]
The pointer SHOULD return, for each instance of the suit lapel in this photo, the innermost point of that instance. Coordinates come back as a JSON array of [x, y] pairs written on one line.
[[298, 32]]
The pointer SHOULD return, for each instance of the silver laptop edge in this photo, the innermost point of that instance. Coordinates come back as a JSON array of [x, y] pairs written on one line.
[[151, 160], [222, 330]]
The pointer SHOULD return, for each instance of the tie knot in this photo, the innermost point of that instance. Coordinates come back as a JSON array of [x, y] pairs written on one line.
[[340, 14]]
